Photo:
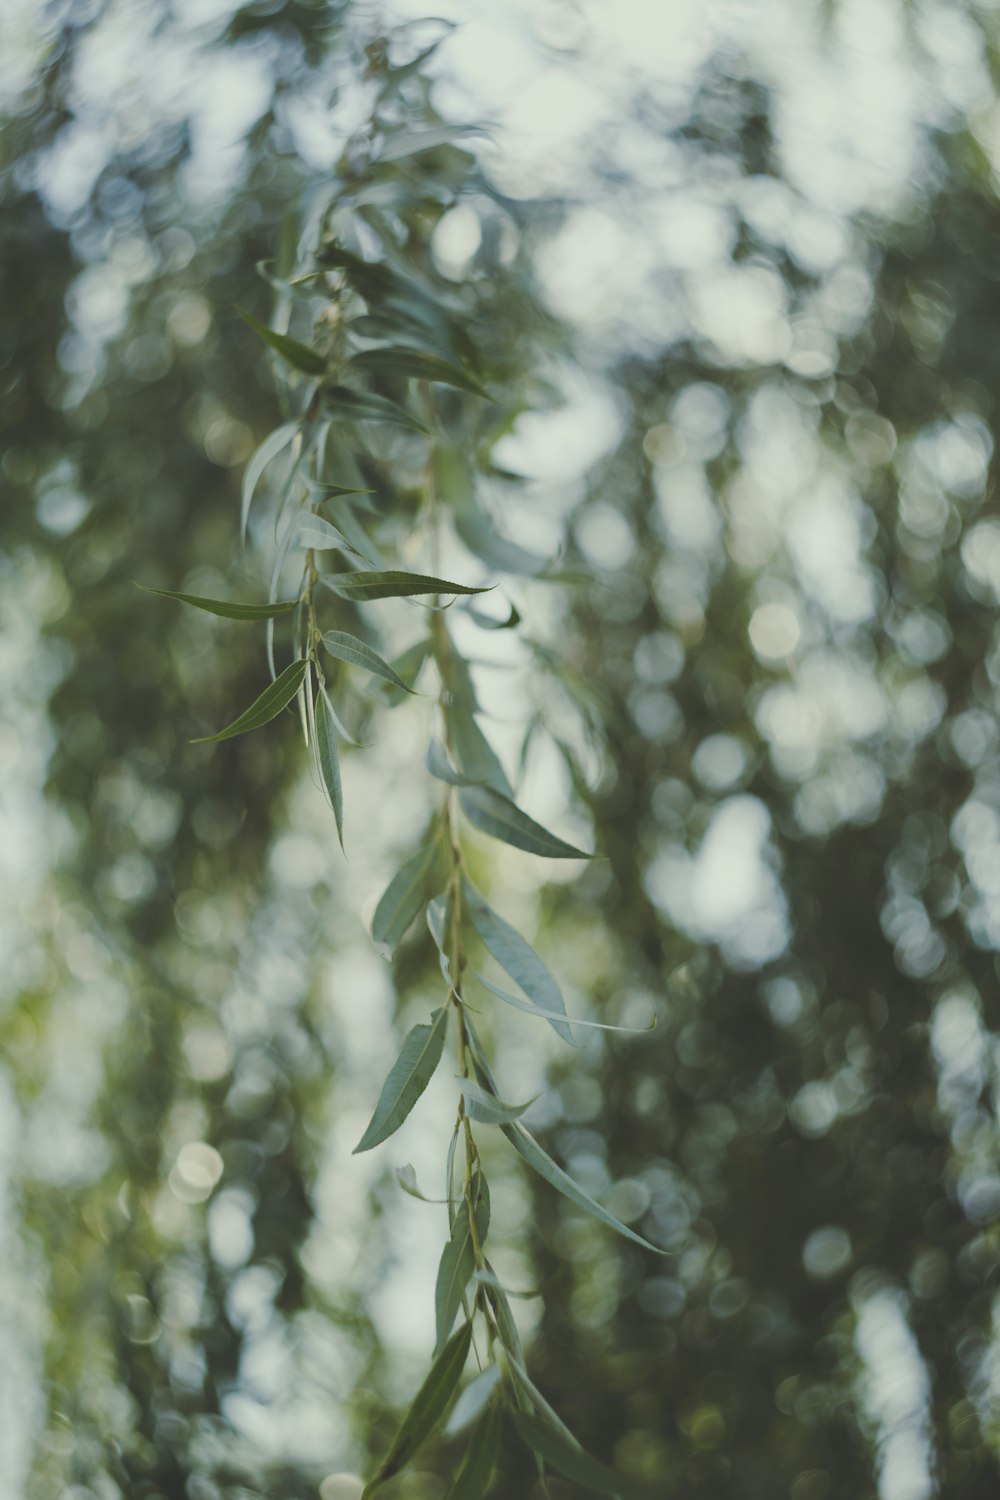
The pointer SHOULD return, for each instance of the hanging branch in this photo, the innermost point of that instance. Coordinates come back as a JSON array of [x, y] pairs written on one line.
[[399, 406]]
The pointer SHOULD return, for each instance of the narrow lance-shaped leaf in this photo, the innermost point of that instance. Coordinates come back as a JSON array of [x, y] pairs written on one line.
[[226, 607], [314, 532], [272, 700], [391, 583], [259, 460], [517, 958], [502, 819], [473, 1399], [292, 352], [475, 1476], [409, 1076], [396, 360], [526, 1146], [429, 1406], [405, 894], [485, 1107], [350, 649], [531, 1009], [328, 760], [458, 1261], [572, 1462]]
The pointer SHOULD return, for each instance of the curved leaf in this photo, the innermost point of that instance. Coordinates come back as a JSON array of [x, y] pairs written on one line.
[[328, 759], [225, 607], [393, 584], [292, 352], [502, 819], [485, 1107], [548, 1015], [571, 1461], [350, 649], [409, 1076], [456, 1266], [258, 462], [276, 696], [526, 1146]]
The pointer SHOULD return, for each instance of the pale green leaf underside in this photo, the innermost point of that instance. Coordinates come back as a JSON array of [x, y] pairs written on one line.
[[472, 1400], [226, 607], [408, 1077], [259, 460], [404, 896], [272, 700], [535, 1010]]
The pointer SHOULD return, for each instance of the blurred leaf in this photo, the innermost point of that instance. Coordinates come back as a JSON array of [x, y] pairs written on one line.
[[486, 623], [475, 1476], [225, 608], [328, 759], [530, 1008], [392, 584], [429, 1406], [348, 404], [526, 1146], [408, 664], [349, 648], [292, 352], [409, 1076], [259, 460], [272, 700], [473, 751], [472, 1400], [498, 816], [319, 536], [418, 365], [440, 766], [411, 142], [517, 958], [572, 1462]]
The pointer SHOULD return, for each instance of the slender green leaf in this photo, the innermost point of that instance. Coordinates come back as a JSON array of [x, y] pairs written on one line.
[[429, 1406], [392, 584], [502, 1312], [498, 816], [534, 1401], [472, 1400], [526, 1146], [406, 893], [408, 664], [292, 352], [259, 460], [272, 700], [225, 607], [473, 751], [409, 1076], [517, 958], [549, 1015], [486, 623], [328, 759], [397, 360], [479, 1465], [485, 1107], [349, 648], [346, 403], [454, 1272], [572, 1462]]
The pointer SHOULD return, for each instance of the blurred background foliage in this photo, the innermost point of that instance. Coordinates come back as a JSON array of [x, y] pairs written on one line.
[[764, 240]]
